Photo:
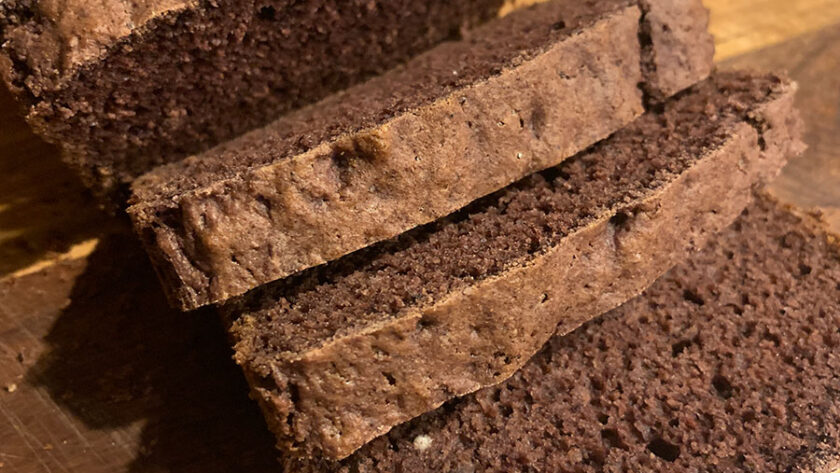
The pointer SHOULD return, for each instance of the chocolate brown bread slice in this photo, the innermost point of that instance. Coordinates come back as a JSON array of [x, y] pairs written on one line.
[[420, 142], [124, 86], [728, 363], [342, 353]]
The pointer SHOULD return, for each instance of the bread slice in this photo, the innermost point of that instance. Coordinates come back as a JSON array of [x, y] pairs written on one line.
[[124, 86], [342, 353], [418, 143], [728, 363]]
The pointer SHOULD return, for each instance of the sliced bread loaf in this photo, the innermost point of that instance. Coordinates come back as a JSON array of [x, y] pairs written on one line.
[[417, 143], [342, 353]]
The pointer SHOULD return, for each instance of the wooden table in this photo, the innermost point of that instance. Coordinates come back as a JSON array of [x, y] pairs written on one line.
[[98, 375]]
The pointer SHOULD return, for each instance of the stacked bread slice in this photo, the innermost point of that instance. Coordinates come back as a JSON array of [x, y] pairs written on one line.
[[413, 145], [728, 362], [400, 262]]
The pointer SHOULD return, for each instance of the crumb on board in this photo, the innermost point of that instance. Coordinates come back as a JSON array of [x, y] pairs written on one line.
[[422, 442]]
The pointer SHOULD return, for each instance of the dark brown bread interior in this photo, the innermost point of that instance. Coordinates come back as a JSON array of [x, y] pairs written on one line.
[[346, 351], [193, 78], [728, 363], [405, 148]]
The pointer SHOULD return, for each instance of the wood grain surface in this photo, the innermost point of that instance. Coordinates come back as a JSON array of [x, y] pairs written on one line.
[[98, 375], [812, 181], [743, 26]]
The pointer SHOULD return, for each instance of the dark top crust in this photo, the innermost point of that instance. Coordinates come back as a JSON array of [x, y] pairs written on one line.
[[60, 36]]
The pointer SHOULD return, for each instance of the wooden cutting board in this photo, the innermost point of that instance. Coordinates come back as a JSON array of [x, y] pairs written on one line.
[[98, 375]]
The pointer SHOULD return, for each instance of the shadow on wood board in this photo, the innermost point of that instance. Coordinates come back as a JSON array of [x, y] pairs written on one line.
[[117, 354]]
